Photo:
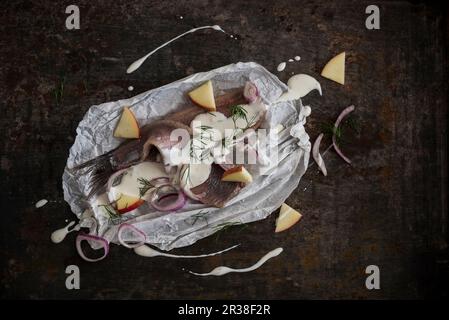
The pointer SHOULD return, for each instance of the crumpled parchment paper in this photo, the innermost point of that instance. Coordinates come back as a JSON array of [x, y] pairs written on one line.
[[195, 221]]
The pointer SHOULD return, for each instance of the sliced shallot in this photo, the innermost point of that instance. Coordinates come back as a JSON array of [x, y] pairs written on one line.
[[87, 237], [343, 114], [317, 156], [250, 92], [167, 198], [132, 229]]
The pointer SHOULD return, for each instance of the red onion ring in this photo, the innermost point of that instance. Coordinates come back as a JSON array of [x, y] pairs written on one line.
[[317, 156], [156, 197], [250, 92], [87, 237], [343, 114], [125, 226]]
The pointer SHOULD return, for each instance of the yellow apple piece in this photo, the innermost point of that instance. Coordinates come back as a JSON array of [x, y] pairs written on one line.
[[128, 203], [335, 69], [127, 126], [203, 96], [287, 218], [237, 174]]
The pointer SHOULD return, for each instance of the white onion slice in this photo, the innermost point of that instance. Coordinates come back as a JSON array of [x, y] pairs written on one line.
[[317, 156], [343, 114]]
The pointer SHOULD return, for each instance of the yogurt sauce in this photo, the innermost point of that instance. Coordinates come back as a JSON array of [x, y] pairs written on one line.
[[299, 86], [146, 251], [60, 234], [136, 64], [129, 183], [281, 66], [222, 270]]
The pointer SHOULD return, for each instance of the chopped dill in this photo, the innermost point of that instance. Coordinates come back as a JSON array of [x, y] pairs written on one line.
[[238, 112], [113, 215], [225, 226], [201, 215], [145, 186]]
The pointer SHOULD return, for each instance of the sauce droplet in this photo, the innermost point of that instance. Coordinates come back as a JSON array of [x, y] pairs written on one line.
[[297, 58], [130, 88], [60, 234], [41, 203], [281, 66]]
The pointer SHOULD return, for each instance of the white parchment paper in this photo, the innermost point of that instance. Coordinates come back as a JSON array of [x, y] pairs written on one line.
[[195, 221]]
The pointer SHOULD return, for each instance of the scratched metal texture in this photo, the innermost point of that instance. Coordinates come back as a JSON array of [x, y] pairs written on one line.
[[389, 208]]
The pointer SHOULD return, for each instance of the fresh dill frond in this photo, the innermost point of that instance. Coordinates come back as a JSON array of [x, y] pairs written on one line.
[[145, 186], [238, 112], [329, 129], [350, 122], [225, 226], [113, 215], [59, 90], [201, 215]]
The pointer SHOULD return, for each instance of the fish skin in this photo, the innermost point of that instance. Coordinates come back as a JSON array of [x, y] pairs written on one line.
[[214, 191], [134, 151]]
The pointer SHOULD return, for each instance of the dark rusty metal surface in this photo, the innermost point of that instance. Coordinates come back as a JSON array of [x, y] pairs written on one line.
[[389, 208]]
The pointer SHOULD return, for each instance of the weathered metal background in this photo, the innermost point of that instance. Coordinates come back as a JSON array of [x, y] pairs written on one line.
[[389, 208]]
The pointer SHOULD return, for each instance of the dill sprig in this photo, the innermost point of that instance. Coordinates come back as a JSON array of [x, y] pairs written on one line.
[[238, 112], [350, 122], [59, 90], [225, 226], [201, 215], [145, 186], [330, 129], [203, 154], [111, 212]]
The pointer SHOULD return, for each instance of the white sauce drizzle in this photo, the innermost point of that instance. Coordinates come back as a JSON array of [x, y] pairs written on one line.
[[281, 66], [41, 203], [136, 64], [130, 88], [297, 58], [222, 270], [299, 86], [60, 234], [146, 251]]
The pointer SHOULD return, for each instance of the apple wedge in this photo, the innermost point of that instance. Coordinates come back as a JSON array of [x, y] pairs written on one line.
[[128, 203], [335, 69], [287, 218], [127, 126], [203, 96], [237, 174]]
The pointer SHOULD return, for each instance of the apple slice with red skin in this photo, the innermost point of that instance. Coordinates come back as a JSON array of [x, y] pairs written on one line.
[[128, 203]]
